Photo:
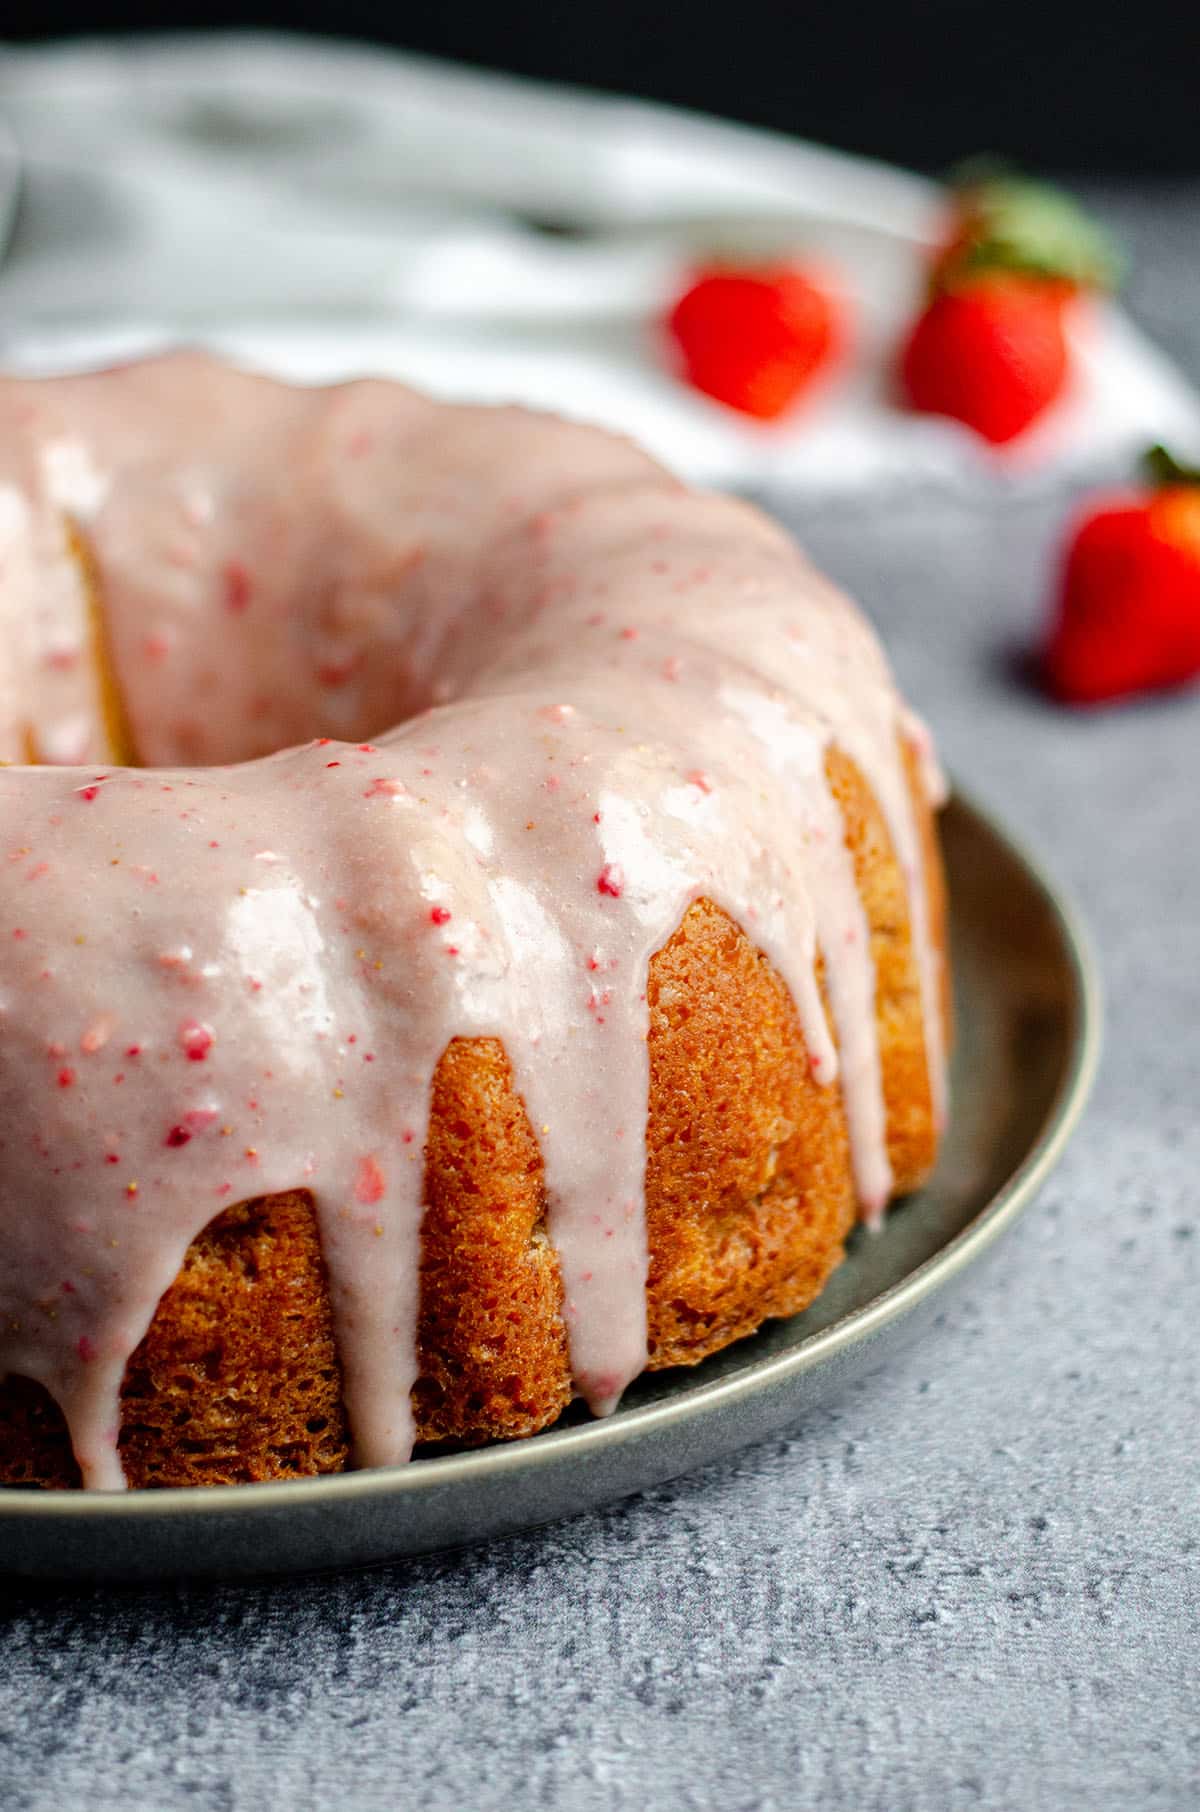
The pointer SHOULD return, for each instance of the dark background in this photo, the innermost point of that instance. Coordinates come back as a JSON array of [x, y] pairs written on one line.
[[1087, 88]]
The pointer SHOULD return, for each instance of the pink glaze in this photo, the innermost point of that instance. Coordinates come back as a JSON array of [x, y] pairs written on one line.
[[613, 697]]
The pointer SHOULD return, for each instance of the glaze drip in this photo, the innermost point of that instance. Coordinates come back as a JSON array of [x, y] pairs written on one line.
[[616, 698]]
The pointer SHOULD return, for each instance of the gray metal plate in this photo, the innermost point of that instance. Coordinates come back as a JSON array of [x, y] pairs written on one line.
[[1028, 1019]]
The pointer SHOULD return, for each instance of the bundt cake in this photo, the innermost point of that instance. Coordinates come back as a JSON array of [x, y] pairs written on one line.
[[362, 1084]]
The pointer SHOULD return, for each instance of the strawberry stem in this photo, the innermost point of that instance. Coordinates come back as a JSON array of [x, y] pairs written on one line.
[[1010, 222], [1163, 469]]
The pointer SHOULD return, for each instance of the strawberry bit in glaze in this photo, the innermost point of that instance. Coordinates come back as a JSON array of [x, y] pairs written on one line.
[[611, 880], [197, 1118], [97, 1035], [86, 1349], [178, 1135], [439, 915], [369, 1184], [197, 1040], [238, 587], [597, 998], [66, 1077]]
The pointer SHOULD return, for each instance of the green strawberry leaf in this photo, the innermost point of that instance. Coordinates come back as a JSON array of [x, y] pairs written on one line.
[[1162, 469], [1017, 224]]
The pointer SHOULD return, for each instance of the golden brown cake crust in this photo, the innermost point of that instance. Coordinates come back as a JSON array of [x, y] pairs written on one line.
[[491, 1342], [748, 1200], [238, 1376]]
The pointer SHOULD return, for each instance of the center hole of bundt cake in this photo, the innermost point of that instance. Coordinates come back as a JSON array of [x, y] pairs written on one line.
[[221, 718]]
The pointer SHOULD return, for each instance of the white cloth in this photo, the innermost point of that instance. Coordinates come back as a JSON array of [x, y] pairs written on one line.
[[325, 210]]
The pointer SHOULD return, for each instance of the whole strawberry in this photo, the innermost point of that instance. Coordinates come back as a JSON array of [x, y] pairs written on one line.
[[755, 337], [991, 346], [1128, 616], [992, 354]]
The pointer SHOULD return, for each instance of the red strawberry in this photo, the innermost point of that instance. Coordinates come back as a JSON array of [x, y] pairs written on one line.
[[755, 336], [991, 347], [993, 354], [1129, 613]]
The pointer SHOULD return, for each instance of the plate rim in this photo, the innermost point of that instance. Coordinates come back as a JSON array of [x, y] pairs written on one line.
[[558, 1447]]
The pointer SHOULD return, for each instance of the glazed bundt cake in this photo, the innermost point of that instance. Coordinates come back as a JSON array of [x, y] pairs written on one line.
[[361, 1084]]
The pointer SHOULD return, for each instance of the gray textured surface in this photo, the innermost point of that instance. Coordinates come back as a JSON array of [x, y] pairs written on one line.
[[972, 1583]]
